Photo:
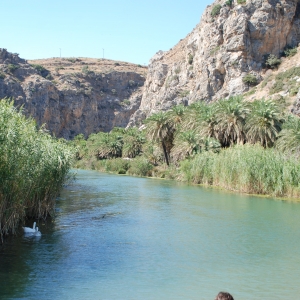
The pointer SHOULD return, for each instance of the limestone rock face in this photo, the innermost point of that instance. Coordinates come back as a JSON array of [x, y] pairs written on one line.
[[74, 102], [211, 61]]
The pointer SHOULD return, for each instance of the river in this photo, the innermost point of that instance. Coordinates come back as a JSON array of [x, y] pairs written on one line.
[[120, 237]]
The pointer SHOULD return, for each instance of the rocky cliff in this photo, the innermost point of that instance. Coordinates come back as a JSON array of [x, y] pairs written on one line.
[[74, 95], [233, 39]]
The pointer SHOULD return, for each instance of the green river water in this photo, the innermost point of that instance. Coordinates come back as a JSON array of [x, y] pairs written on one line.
[[119, 237]]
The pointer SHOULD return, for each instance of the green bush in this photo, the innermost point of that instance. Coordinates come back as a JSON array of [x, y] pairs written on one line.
[[2, 75], [117, 165], [250, 79], [229, 2], [12, 67], [42, 71], [140, 167], [190, 59], [241, 1], [290, 52], [273, 61], [216, 10]]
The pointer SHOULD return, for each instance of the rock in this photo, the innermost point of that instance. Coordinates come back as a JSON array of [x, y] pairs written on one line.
[[77, 102], [211, 61]]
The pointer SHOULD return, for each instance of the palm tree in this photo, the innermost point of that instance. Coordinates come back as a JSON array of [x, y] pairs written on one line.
[[133, 141], [186, 144], [107, 145], [289, 137], [264, 122], [201, 117], [159, 129], [230, 117], [176, 115]]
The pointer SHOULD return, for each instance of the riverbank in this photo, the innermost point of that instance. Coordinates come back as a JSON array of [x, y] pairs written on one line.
[[248, 169], [33, 169]]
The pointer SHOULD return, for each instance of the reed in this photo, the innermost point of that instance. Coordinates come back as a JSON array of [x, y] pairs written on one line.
[[33, 168], [248, 169]]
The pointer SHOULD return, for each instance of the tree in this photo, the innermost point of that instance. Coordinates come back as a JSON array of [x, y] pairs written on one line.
[[133, 140], [263, 123], [159, 129], [289, 137], [230, 117]]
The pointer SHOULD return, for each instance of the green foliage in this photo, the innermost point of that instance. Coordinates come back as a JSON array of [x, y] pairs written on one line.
[[42, 71], [264, 122], [290, 52], [289, 138], [33, 168], [12, 67], [214, 50], [2, 75], [273, 61], [140, 167], [250, 79], [184, 93], [229, 3], [190, 59], [241, 1], [216, 10], [249, 169]]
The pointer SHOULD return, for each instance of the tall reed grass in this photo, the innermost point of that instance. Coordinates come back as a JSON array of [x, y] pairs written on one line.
[[248, 169], [33, 168]]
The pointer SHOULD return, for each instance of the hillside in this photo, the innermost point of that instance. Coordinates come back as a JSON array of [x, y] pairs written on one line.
[[232, 40], [73, 95]]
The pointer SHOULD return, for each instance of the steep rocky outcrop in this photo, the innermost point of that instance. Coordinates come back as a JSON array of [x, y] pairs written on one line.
[[73, 96], [230, 41]]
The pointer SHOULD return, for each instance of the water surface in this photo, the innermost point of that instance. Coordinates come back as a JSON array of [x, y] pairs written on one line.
[[119, 237]]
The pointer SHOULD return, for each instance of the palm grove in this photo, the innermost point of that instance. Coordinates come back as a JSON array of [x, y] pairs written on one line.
[[244, 146]]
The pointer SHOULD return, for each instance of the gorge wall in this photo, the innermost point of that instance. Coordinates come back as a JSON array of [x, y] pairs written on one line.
[[80, 95], [230, 41], [73, 96]]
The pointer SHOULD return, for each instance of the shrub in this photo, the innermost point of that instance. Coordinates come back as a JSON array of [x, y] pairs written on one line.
[[2, 75], [241, 1], [216, 10], [12, 67], [190, 59], [140, 167], [229, 2], [290, 52], [250, 79], [117, 165], [42, 71], [273, 61]]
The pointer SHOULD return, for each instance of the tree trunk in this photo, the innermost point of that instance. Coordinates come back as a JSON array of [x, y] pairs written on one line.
[[165, 153]]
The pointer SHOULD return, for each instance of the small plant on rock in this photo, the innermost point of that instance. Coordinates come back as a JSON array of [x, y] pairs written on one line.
[[216, 10], [250, 79], [273, 61]]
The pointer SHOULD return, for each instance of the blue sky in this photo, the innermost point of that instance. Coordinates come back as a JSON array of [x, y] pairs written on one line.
[[129, 30]]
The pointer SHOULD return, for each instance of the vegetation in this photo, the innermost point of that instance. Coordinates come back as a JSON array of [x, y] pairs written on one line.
[[273, 61], [290, 52], [216, 10], [250, 147], [12, 67], [42, 71], [250, 79], [33, 168], [248, 169]]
